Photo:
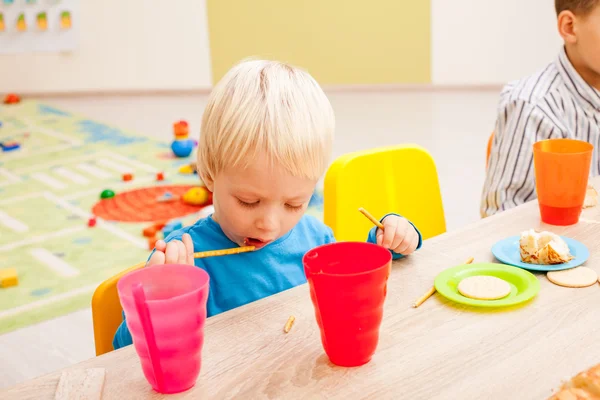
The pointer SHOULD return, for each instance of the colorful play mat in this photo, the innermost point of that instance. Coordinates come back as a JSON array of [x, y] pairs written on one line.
[[50, 188]]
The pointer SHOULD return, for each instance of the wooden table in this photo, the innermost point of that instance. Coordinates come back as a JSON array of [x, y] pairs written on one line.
[[440, 350]]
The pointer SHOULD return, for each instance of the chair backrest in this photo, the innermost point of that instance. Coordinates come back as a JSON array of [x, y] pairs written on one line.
[[107, 312], [401, 179], [489, 149]]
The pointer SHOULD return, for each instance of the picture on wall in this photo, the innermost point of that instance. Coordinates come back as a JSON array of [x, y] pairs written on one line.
[[28, 26]]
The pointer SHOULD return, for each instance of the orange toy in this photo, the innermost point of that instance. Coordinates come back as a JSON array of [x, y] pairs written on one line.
[[181, 129], [11, 98], [127, 177], [150, 231]]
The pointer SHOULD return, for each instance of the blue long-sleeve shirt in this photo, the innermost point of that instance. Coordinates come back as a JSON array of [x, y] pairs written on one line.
[[242, 278]]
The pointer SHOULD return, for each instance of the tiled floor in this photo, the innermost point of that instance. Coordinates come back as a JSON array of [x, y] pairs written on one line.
[[453, 125]]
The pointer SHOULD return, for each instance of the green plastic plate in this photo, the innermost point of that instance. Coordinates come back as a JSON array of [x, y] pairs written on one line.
[[524, 285]]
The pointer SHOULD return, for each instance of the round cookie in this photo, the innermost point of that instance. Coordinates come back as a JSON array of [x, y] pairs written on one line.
[[574, 278], [484, 287]]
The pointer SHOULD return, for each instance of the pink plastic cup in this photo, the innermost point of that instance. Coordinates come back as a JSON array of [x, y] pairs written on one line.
[[165, 309], [348, 285]]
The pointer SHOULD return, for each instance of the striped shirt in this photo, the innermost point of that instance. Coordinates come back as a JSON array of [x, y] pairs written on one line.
[[553, 103]]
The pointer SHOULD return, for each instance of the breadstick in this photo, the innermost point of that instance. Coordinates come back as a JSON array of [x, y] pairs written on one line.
[[289, 323], [371, 218]]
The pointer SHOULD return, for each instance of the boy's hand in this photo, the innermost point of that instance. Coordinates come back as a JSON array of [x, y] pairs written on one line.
[[174, 252], [398, 235]]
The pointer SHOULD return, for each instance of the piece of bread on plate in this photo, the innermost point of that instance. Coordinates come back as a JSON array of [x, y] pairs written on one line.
[[545, 248]]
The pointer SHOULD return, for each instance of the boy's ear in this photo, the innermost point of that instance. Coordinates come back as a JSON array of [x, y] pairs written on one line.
[[567, 26], [208, 182]]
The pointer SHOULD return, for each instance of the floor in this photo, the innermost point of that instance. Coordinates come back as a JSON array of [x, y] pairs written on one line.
[[453, 126]]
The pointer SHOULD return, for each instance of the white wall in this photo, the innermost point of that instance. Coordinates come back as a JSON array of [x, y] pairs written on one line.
[[485, 42], [123, 45], [164, 46]]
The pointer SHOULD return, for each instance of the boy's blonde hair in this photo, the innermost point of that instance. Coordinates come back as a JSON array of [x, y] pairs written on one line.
[[266, 107]]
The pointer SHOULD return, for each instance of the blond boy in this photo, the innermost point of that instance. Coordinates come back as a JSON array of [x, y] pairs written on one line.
[[265, 141]]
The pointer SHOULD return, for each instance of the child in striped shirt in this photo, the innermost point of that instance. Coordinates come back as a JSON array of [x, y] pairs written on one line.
[[560, 101]]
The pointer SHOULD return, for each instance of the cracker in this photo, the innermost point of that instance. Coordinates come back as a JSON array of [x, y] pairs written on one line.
[[484, 287], [574, 278], [591, 197]]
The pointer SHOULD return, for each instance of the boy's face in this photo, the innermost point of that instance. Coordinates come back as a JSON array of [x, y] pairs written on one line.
[[258, 205], [588, 39]]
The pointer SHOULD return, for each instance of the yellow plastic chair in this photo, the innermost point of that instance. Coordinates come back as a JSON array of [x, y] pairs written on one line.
[[401, 179], [107, 312]]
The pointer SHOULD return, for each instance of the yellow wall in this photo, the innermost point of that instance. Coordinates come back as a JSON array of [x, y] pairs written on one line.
[[337, 41]]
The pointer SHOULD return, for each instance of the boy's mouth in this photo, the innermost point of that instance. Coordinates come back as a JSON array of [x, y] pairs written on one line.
[[257, 243]]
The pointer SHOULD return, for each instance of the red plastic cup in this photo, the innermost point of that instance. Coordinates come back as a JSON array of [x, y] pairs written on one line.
[[165, 310], [348, 284], [562, 169]]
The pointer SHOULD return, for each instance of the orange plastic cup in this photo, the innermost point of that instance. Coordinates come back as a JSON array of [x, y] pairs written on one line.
[[562, 169]]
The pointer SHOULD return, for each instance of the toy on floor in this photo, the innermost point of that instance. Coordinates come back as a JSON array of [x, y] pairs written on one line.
[[181, 146], [9, 146], [196, 196], [188, 169], [166, 197], [12, 98], [8, 277], [107, 194], [150, 231], [160, 176], [92, 222], [127, 177]]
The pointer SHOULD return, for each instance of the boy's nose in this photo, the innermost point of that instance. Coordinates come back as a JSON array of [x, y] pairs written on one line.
[[267, 223]]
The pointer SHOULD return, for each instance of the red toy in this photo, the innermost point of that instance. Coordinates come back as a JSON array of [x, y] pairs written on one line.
[[127, 177], [92, 222], [160, 176], [11, 98], [150, 231]]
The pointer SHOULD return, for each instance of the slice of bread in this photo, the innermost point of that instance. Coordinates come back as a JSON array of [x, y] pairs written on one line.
[[583, 386], [543, 248]]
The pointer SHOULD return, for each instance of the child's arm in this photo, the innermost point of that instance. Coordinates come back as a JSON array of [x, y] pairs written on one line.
[[399, 235]]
